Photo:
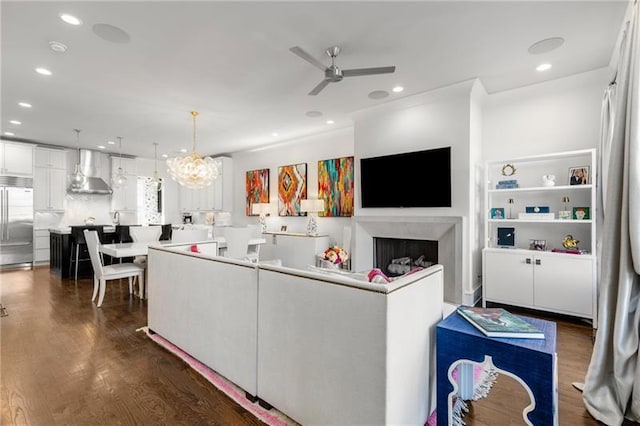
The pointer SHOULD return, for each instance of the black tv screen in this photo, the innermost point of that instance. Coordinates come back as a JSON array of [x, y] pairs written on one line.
[[411, 179]]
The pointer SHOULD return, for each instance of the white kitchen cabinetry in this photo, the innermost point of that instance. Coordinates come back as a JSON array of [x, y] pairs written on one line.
[[16, 159], [519, 275], [294, 250], [216, 197], [125, 199], [50, 179], [41, 246]]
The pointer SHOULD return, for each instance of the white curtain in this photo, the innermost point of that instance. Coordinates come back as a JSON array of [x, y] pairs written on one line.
[[612, 387]]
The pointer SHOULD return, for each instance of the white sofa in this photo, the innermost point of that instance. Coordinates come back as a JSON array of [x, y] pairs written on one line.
[[333, 350], [207, 306], [321, 348]]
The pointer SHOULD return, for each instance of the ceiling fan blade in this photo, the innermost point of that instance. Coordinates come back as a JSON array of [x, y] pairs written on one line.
[[304, 55], [320, 86], [367, 71]]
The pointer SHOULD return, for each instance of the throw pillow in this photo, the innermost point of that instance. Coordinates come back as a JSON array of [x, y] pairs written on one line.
[[194, 248]]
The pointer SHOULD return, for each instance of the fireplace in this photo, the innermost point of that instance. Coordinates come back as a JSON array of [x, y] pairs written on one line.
[[445, 231], [397, 256]]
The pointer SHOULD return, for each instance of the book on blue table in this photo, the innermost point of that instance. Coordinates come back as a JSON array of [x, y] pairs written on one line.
[[497, 322]]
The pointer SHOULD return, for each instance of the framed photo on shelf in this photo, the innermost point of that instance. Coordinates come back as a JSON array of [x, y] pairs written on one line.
[[507, 237], [497, 213], [581, 213], [579, 175], [539, 245]]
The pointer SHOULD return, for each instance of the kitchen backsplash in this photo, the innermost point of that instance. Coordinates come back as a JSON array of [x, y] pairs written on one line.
[[80, 207]]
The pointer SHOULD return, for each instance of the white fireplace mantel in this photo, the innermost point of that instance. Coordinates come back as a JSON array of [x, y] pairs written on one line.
[[447, 230]]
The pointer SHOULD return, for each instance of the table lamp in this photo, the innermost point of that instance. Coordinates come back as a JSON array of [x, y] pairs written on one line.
[[312, 207], [261, 209]]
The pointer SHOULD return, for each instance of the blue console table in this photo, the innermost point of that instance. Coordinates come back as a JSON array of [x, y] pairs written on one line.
[[530, 361]]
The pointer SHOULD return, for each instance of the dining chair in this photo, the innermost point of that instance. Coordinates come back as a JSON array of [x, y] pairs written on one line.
[[189, 235], [79, 246], [102, 273], [237, 240], [144, 234], [253, 252]]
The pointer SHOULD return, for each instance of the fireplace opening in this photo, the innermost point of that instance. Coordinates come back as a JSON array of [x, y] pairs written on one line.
[[396, 256]]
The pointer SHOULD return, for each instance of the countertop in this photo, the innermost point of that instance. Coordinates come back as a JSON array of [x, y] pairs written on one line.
[[67, 230]]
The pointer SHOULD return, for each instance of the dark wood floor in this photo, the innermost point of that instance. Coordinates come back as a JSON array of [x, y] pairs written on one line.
[[66, 362]]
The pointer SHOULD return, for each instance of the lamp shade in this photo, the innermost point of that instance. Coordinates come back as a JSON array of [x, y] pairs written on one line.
[[260, 208], [312, 206]]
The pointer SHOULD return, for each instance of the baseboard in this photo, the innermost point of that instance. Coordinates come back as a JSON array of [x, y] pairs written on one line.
[[471, 299]]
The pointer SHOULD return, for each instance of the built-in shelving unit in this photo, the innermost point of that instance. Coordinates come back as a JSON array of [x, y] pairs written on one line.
[[523, 269]]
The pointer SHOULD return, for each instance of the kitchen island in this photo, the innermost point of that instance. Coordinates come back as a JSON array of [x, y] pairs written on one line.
[[60, 251]]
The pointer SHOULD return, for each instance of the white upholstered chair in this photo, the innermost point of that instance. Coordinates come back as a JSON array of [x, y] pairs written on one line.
[[102, 273], [189, 235], [253, 252], [237, 240], [144, 234]]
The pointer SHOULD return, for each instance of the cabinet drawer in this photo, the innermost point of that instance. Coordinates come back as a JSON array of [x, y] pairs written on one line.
[[42, 242], [42, 255]]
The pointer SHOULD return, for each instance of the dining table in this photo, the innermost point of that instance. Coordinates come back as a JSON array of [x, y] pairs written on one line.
[[120, 250]]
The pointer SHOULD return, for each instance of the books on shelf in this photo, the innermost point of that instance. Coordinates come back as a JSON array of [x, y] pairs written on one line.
[[537, 216], [569, 251], [507, 184], [497, 322]]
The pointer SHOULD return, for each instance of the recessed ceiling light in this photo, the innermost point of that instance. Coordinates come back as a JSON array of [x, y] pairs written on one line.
[[546, 45], [111, 142], [398, 89], [70, 19], [183, 150], [543, 67], [165, 156], [15, 122], [9, 133], [330, 121], [101, 146], [25, 104], [274, 134], [111, 33], [378, 94], [313, 114], [58, 47], [43, 71]]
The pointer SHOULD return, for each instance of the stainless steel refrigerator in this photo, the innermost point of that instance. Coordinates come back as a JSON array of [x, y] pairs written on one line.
[[16, 221]]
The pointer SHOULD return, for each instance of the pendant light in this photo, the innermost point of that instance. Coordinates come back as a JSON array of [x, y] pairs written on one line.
[[119, 180], [78, 179], [192, 170], [156, 181]]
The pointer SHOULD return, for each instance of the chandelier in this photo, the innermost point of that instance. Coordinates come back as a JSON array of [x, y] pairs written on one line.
[[156, 181], [119, 180], [191, 170], [77, 178]]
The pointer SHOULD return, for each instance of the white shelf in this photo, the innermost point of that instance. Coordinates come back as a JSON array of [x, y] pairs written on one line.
[[565, 221], [543, 188]]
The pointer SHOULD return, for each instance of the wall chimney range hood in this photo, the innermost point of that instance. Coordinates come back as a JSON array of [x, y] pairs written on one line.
[[94, 184]]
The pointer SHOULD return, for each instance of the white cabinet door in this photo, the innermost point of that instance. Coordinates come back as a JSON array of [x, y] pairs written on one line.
[[508, 277], [185, 199], [17, 159], [564, 284], [41, 188], [57, 188], [126, 199]]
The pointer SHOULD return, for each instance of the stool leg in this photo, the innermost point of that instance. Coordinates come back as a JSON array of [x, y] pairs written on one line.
[[77, 254]]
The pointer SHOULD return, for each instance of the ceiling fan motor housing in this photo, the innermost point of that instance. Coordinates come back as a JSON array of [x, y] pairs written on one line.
[[333, 73]]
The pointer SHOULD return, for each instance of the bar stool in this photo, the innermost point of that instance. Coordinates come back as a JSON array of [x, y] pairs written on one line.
[[79, 252]]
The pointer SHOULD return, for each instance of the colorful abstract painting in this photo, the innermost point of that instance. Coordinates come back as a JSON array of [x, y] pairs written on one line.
[[257, 188], [292, 187], [335, 186]]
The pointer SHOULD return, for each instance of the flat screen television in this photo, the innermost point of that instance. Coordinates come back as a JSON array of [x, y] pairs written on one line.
[[411, 179]]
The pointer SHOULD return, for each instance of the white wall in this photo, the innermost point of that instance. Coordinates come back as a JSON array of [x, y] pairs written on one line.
[[310, 150], [434, 119], [559, 115]]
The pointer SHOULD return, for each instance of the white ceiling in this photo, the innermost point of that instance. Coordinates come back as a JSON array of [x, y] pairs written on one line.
[[231, 62]]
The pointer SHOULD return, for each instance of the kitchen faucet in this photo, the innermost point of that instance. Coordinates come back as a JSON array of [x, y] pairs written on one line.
[[116, 217]]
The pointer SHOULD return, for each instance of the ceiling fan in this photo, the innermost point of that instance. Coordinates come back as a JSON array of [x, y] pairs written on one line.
[[333, 74]]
